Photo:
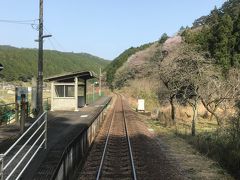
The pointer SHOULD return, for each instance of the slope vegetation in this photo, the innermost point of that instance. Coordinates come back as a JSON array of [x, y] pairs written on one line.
[[119, 61]]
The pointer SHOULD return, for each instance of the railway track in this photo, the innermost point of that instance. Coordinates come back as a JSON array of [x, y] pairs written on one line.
[[112, 158]]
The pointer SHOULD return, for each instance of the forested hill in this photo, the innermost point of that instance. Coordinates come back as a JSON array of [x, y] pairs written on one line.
[[219, 34], [21, 64]]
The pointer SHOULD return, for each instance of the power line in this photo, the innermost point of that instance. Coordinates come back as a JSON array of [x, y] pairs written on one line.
[[25, 22], [19, 21], [49, 40], [54, 38], [52, 44], [35, 26]]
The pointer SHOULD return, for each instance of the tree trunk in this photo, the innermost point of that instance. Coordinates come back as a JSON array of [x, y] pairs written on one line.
[[194, 117], [211, 116], [212, 112], [215, 115], [173, 109]]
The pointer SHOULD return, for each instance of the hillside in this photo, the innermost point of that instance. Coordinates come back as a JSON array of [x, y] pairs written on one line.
[[21, 64], [190, 83], [215, 35]]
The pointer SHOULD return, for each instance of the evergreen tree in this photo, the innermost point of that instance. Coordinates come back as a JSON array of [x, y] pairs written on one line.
[[236, 51], [237, 34], [213, 22], [213, 18], [223, 41], [163, 38], [219, 33]]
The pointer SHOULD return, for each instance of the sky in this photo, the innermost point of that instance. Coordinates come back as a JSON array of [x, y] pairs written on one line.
[[104, 28]]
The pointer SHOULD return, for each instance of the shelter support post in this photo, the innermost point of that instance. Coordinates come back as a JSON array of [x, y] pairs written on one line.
[[76, 93], [85, 92], [52, 95]]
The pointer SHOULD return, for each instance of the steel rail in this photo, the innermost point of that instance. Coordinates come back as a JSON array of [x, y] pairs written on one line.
[[105, 147], [128, 140], [129, 144]]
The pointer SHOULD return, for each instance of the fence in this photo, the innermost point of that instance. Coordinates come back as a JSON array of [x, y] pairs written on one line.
[[76, 151], [7, 112], [91, 98], [16, 159], [47, 103]]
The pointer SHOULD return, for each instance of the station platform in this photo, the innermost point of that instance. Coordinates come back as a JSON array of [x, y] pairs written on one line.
[[63, 127]]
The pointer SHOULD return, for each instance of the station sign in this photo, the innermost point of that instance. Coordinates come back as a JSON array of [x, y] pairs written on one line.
[[141, 105], [21, 94]]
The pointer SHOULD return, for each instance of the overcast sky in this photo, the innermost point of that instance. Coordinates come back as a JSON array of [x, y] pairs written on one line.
[[103, 28]]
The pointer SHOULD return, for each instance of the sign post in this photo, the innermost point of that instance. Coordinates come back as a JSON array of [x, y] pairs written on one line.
[[22, 102], [1, 67]]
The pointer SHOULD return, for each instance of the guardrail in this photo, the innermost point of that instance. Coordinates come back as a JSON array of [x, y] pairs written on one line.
[[16, 159], [76, 150]]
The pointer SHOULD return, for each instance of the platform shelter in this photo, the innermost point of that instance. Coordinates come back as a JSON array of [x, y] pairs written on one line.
[[69, 91]]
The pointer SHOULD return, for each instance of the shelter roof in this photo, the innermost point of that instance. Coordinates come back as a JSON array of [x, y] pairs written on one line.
[[69, 77]]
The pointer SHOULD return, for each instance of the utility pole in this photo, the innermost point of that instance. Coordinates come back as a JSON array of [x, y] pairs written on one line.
[[39, 104], [100, 83], [40, 61]]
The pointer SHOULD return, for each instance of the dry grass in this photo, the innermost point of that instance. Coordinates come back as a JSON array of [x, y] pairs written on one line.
[[142, 89], [184, 116]]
